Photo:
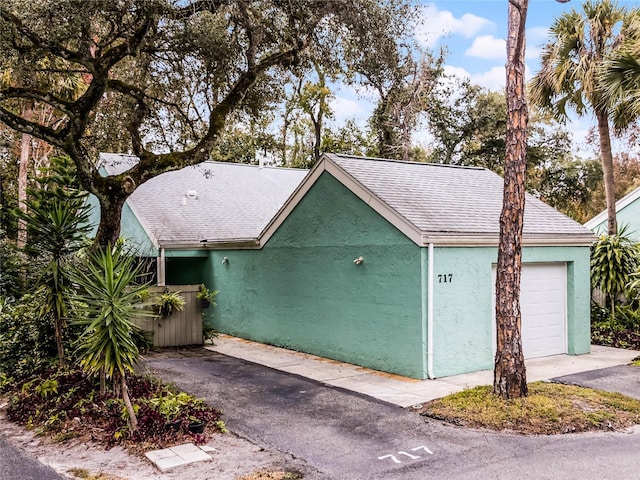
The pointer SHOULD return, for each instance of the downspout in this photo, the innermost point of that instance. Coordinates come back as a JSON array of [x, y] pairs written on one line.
[[161, 268], [430, 314], [426, 258]]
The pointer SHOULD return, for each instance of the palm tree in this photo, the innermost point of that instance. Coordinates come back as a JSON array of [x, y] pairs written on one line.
[[569, 77], [620, 78]]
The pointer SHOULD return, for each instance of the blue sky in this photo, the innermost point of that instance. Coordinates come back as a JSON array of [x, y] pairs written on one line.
[[474, 34]]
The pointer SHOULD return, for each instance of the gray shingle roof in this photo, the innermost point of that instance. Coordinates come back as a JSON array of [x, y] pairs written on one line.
[[444, 199], [211, 201], [116, 163], [227, 202]]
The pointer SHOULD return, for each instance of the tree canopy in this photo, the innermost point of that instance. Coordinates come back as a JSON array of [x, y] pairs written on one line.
[[572, 61], [162, 77]]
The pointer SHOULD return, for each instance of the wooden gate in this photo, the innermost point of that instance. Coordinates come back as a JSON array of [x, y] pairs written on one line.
[[182, 327]]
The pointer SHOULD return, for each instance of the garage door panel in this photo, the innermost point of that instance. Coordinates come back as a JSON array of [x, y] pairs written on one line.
[[543, 307], [543, 300]]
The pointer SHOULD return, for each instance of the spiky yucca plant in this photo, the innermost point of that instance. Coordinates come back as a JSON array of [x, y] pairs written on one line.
[[57, 222], [106, 304]]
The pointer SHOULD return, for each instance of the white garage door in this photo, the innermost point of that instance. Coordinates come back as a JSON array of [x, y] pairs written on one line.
[[543, 305]]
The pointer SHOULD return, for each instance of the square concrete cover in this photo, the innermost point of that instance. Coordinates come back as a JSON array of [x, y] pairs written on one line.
[[190, 453], [167, 458]]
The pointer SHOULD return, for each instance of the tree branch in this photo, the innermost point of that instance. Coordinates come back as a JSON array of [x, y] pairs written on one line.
[[32, 128], [140, 95], [39, 42], [34, 94], [199, 6]]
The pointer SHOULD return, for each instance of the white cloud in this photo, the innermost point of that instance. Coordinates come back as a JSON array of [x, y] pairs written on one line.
[[537, 37], [490, 47], [493, 79], [438, 23], [344, 108], [533, 53], [487, 46], [450, 70]]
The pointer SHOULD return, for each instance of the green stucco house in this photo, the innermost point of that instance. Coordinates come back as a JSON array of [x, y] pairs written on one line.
[[627, 214], [380, 263]]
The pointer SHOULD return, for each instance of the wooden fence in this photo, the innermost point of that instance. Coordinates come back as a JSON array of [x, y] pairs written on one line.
[[182, 327]]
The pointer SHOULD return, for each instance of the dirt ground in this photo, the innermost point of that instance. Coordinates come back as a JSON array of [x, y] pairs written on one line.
[[234, 457]]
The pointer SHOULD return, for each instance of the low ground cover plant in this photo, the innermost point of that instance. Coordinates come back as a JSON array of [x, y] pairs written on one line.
[[66, 404], [625, 333], [549, 409]]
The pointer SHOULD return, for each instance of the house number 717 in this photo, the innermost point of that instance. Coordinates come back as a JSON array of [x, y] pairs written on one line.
[[445, 277]]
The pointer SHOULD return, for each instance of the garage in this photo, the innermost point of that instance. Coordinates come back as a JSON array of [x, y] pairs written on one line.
[[543, 305]]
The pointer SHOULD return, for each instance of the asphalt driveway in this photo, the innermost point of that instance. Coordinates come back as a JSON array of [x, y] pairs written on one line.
[[624, 379], [338, 434], [17, 465]]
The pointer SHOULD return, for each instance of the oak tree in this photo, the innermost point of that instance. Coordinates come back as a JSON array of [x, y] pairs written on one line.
[[167, 74]]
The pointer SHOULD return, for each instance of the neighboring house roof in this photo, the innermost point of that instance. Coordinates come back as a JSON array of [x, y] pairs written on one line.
[[620, 204], [434, 203], [210, 203]]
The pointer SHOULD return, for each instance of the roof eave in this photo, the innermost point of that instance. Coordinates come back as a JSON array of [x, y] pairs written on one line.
[[224, 244], [491, 240], [620, 204]]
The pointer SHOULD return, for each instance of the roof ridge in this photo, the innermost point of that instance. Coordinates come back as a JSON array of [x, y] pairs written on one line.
[[409, 162], [270, 167]]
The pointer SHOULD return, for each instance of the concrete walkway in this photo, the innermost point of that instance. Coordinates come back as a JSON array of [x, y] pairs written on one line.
[[405, 391]]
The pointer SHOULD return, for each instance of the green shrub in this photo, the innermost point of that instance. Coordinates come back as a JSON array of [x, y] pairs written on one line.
[[628, 317], [53, 400], [599, 314], [208, 329], [614, 260], [170, 404], [27, 341], [10, 268]]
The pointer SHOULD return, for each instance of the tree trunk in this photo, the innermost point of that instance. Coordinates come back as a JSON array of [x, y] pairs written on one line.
[[103, 382], [510, 380], [57, 326], [23, 175], [606, 158], [317, 136], [127, 403], [110, 217]]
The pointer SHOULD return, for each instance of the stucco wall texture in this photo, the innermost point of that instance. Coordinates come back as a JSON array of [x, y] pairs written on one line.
[[626, 217], [304, 291]]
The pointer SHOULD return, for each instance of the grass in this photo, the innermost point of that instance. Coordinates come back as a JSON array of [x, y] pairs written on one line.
[[84, 474], [548, 410]]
